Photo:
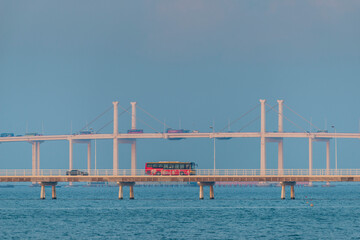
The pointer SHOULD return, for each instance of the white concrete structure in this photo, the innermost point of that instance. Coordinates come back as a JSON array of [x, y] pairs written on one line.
[[115, 139], [70, 154], [133, 144], [262, 137], [281, 141]]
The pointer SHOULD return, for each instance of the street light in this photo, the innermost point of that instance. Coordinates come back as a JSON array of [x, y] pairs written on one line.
[[335, 146], [212, 127]]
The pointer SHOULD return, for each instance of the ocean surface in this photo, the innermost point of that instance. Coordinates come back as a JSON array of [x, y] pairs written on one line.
[[177, 213]]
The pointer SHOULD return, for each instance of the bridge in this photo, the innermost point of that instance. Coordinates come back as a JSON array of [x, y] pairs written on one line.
[[203, 177]]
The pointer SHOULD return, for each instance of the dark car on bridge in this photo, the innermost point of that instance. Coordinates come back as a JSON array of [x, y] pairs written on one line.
[[6, 135], [132, 131], [86, 132], [171, 130], [75, 172]]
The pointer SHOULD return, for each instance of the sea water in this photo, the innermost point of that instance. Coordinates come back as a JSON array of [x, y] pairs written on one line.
[[177, 213]]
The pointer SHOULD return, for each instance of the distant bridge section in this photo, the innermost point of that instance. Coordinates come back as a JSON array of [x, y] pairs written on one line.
[[203, 177]]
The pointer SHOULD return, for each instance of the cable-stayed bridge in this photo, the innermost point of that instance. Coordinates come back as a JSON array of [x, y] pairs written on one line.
[[203, 177]]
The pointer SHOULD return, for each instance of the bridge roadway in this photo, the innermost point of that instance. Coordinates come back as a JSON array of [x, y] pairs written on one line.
[[194, 178], [125, 136], [203, 179]]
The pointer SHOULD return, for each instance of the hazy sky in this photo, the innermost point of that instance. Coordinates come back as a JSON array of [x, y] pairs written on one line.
[[186, 62]]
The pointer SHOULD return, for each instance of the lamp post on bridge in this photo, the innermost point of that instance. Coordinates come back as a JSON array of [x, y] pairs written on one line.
[[212, 127], [335, 146]]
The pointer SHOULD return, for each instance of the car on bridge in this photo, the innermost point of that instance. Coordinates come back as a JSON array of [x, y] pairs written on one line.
[[135, 131], [225, 138], [76, 172], [322, 131], [33, 134], [6, 135], [86, 132], [171, 130]]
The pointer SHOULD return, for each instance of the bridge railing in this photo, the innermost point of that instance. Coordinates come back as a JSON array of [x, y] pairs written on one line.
[[198, 172]]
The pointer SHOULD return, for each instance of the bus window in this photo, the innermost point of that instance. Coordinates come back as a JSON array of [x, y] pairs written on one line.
[[182, 166], [149, 165], [187, 166], [177, 166], [161, 165], [171, 165], [192, 165], [155, 165], [165, 166]]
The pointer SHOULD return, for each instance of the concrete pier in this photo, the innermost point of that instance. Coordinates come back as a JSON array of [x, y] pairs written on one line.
[[292, 192], [281, 141], [262, 139], [132, 192], [42, 192], [115, 140], [53, 189], [121, 189], [211, 186], [53, 192], [121, 194], [292, 189], [212, 192], [201, 193], [133, 144], [282, 191]]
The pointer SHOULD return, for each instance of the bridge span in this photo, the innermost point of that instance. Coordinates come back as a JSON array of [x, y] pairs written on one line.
[[204, 177], [132, 136]]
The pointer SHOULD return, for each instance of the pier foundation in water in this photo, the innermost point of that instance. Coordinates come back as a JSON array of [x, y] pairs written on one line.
[[131, 186], [53, 189], [201, 192], [292, 189]]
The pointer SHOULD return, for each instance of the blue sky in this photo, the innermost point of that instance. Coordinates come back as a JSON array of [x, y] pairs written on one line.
[[63, 62]]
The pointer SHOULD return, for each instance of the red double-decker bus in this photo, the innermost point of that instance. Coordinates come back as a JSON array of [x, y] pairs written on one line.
[[170, 168]]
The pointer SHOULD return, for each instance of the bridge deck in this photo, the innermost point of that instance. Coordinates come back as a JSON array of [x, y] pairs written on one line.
[[145, 178]]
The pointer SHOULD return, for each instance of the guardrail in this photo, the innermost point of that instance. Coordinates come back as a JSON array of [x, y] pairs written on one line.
[[198, 172]]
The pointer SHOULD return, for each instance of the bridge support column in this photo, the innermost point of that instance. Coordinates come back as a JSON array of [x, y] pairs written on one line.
[[42, 193], [328, 160], [310, 155], [310, 158], [52, 184], [292, 189], [281, 157], [121, 195], [70, 157], [38, 158], [292, 192], [115, 156], [212, 192], [53, 192], [70, 154], [133, 158], [201, 193], [115, 140], [133, 144], [262, 140], [89, 157], [281, 142], [132, 192], [131, 186], [33, 158]]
